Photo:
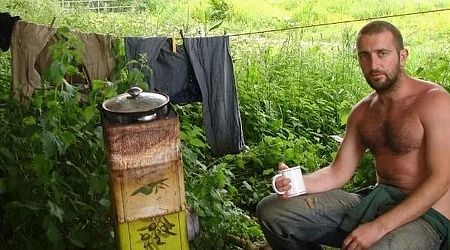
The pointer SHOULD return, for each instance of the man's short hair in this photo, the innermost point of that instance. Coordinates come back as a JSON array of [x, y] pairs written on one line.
[[376, 27]]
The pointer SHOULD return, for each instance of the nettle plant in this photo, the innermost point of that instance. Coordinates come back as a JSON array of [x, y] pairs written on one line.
[[56, 183]]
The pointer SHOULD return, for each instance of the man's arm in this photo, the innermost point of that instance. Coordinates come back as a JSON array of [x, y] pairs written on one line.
[[435, 117]]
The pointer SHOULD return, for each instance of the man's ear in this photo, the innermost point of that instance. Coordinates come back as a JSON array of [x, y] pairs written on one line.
[[403, 56]]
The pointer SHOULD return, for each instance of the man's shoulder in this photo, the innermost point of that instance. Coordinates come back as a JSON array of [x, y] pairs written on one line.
[[428, 86], [433, 94], [360, 108], [434, 101], [365, 102]]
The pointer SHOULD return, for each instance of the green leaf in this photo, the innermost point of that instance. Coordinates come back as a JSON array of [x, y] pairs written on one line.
[[55, 210], [215, 26], [2, 185], [247, 186], [64, 30], [268, 172], [98, 84], [68, 138], [111, 91], [53, 233], [6, 153], [196, 143], [42, 166], [89, 113], [33, 206], [419, 70], [79, 238], [98, 184], [57, 71], [258, 161], [105, 202], [184, 136], [221, 179], [29, 120], [48, 143], [290, 153], [343, 117], [70, 69]]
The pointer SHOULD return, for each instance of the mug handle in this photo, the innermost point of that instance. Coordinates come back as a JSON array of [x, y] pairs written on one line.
[[274, 186]]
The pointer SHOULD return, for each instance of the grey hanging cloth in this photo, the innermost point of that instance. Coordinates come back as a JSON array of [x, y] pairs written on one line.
[[201, 70], [213, 68]]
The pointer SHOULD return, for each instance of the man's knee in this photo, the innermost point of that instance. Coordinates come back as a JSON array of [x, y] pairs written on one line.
[[273, 210], [417, 234], [265, 210]]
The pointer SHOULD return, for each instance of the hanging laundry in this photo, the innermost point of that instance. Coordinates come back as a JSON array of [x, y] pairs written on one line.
[[213, 68], [27, 42], [30, 55], [200, 70], [180, 85], [6, 25], [99, 60]]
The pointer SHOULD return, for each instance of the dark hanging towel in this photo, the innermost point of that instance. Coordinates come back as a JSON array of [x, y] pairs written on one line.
[[201, 70], [6, 26]]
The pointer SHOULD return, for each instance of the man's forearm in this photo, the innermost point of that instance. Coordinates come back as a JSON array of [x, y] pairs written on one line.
[[322, 180], [415, 205]]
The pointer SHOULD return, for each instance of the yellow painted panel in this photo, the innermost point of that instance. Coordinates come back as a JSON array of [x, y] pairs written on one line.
[[165, 232]]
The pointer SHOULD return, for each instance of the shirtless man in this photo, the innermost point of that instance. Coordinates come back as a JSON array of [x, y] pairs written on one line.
[[405, 123]]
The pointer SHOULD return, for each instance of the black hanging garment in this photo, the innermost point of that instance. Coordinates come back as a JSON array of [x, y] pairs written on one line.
[[201, 70], [6, 25]]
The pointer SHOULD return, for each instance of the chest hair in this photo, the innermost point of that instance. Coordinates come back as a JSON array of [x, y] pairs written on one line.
[[399, 136]]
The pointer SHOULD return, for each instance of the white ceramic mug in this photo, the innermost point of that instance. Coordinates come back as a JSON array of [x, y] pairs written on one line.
[[297, 184]]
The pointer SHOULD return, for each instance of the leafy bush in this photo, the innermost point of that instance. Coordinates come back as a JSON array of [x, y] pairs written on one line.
[[52, 164]]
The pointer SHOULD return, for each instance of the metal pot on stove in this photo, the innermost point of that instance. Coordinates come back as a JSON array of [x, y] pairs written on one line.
[[135, 106]]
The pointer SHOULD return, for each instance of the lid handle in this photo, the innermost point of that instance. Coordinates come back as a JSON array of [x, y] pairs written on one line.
[[134, 92]]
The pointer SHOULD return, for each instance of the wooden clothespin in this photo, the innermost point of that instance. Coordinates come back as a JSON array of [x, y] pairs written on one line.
[[174, 44]]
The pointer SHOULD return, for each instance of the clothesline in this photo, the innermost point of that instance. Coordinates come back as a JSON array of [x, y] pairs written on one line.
[[339, 22], [182, 35]]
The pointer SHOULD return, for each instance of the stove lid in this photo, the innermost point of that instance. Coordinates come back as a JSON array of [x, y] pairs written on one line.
[[135, 100]]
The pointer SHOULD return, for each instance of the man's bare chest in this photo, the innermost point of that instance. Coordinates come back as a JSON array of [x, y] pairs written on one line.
[[399, 133]]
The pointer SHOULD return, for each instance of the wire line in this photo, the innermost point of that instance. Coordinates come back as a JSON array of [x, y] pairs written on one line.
[[339, 22]]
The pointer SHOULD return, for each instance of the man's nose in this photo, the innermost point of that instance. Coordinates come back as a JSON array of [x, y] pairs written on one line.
[[374, 62]]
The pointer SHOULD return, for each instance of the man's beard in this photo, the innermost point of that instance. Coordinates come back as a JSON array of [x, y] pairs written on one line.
[[387, 84]]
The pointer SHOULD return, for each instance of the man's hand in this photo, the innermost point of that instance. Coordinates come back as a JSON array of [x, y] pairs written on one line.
[[364, 236], [282, 183]]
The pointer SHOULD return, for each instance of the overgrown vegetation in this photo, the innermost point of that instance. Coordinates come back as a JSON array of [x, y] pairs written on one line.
[[296, 89]]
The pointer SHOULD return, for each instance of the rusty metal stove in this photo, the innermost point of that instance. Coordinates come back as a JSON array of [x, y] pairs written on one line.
[[147, 183]]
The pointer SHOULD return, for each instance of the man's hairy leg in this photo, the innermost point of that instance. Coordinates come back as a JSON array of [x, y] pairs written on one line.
[[306, 221]]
